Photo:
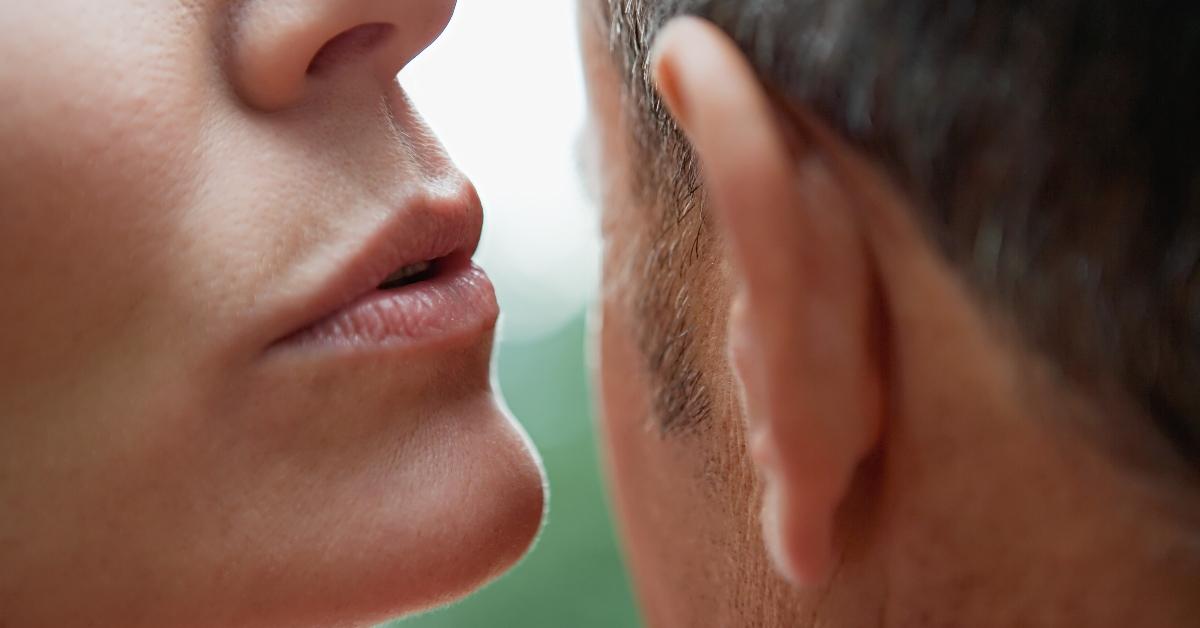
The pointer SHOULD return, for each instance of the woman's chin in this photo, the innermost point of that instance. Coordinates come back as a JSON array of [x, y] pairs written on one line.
[[479, 512], [482, 522], [417, 521]]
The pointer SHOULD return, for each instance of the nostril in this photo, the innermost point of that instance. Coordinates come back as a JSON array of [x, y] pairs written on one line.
[[282, 52], [355, 42]]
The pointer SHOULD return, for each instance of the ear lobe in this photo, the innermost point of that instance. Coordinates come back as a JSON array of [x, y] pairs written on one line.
[[803, 329]]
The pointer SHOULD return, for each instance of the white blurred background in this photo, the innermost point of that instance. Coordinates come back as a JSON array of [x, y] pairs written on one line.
[[504, 90]]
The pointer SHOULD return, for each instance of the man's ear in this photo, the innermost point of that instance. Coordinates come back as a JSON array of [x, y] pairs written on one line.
[[805, 327]]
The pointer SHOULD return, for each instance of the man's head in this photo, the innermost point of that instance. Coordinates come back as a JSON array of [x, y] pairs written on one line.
[[961, 245]]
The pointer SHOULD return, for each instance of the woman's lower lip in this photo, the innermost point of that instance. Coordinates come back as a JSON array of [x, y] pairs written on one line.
[[458, 301]]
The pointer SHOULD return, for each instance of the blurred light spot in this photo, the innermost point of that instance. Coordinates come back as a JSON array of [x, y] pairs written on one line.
[[508, 103]]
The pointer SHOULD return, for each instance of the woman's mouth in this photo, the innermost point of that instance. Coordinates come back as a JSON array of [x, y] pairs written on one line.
[[413, 284], [410, 274], [438, 300]]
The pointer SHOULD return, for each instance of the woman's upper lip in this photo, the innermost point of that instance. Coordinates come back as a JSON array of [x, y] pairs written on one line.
[[424, 230]]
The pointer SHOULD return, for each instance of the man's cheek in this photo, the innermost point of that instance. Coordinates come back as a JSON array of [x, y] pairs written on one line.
[[622, 384]]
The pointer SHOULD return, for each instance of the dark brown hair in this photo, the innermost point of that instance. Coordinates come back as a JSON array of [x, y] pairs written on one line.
[[1052, 150]]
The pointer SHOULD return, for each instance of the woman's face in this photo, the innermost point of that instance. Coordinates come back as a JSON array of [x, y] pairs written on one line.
[[210, 410]]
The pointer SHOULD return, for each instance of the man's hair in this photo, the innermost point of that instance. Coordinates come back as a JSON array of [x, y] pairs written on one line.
[[1050, 148]]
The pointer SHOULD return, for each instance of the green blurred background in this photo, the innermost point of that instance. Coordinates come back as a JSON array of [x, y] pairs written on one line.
[[574, 577]]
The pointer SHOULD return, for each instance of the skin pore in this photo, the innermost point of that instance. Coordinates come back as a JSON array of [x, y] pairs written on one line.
[[184, 185], [919, 465]]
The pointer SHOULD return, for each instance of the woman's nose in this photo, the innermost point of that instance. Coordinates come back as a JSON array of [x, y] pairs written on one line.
[[285, 49]]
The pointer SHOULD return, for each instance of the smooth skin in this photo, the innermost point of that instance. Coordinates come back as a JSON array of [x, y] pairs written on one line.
[[176, 177]]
